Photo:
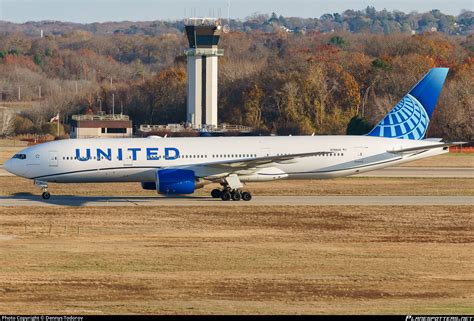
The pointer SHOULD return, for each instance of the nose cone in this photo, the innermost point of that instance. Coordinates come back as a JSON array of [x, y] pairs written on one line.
[[13, 166], [9, 166]]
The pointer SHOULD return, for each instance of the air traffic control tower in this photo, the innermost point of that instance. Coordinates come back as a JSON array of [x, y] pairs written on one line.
[[203, 36]]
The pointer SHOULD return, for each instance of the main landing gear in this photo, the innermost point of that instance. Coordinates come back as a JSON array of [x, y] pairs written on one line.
[[227, 194], [231, 190], [44, 187]]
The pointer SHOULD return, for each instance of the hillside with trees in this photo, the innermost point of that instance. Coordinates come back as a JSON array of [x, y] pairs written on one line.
[[335, 74]]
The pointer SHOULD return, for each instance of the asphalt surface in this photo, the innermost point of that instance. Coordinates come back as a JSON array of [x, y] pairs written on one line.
[[66, 200]]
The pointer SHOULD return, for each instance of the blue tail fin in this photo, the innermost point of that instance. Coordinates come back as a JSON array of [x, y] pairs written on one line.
[[409, 119]]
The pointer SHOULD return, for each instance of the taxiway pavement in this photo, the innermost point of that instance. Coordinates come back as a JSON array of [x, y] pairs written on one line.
[[193, 201]]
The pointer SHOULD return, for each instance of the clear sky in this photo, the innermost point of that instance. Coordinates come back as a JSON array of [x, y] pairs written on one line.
[[86, 11]]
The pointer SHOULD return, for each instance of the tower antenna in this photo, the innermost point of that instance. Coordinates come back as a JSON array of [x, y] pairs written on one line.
[[228, 13], [226, 27]]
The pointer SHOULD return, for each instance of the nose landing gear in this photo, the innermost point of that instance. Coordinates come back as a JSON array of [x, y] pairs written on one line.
[[44, 186]]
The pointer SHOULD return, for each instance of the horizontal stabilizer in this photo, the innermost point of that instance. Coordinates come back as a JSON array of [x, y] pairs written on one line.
[[427, 147]]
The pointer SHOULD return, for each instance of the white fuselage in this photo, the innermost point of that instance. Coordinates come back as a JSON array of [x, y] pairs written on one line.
[[137, 159]]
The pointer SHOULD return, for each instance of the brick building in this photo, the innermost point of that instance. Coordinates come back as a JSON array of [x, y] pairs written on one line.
[[101, 126]]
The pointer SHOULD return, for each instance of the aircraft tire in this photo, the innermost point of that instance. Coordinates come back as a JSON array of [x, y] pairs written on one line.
[[246, 196], [236, 196], [45, 195], [226, 196], [216, 193]]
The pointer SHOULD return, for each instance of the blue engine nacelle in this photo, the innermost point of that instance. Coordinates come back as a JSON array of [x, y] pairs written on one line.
[[175, 181]]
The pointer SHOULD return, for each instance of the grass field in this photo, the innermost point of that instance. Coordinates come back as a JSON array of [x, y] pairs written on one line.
[[445, 160], [404, 260]]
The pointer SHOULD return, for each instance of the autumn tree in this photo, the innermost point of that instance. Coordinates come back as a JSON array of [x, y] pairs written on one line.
[[253, 100]]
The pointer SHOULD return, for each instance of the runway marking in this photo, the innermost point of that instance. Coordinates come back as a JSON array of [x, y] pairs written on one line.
[[130, 201]]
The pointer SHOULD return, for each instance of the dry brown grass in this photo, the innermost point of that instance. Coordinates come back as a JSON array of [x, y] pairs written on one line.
[[17, 104], [8, 148], [339, 186], [445, 160], [404, 260]]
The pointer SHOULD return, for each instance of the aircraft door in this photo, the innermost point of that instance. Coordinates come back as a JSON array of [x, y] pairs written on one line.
[[53, 158], [265, 151]]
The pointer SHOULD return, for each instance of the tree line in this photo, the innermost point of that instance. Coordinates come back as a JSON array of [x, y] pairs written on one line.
[[367, 20], [275, 81]]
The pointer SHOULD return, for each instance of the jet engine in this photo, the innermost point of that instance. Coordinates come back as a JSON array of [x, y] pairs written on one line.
[[174, 181]]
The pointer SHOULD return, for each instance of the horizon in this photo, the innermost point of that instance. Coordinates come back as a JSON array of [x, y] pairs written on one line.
[[75, 11]]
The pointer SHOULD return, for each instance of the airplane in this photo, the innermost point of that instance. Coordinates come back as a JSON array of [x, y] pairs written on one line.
[[179, 166]]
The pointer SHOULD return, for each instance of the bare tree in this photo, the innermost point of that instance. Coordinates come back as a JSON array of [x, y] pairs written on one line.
[[7, 124]]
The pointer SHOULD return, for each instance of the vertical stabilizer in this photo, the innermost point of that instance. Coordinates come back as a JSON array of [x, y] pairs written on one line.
[[409, 119]]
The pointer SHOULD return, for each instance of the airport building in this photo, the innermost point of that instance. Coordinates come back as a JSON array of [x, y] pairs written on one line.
[[203, 36], [101, 126]]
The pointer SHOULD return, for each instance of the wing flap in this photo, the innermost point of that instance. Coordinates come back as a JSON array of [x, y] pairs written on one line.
[[259, 162]]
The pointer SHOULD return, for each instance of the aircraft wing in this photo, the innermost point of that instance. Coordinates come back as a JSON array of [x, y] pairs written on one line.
[[247, 163], [424, 148]]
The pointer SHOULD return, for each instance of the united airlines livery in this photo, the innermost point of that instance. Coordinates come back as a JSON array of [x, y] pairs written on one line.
[[174, 166]]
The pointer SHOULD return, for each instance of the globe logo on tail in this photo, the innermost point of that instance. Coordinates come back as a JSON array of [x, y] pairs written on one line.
[[407, 120]]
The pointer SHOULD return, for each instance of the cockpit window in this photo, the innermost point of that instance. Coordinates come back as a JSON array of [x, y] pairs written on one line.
[[20, 156]]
